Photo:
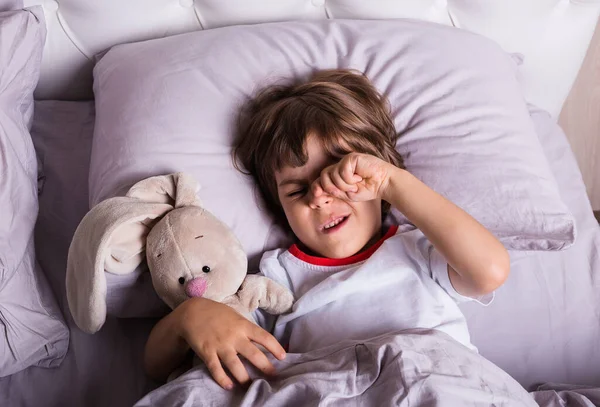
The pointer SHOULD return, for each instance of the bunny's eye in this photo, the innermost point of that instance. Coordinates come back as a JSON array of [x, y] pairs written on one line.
[[181, 280], [206, 269]]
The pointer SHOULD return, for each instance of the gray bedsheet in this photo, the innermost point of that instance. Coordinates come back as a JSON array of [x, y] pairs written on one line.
[[424, 368], [411, 368], [544, 325]]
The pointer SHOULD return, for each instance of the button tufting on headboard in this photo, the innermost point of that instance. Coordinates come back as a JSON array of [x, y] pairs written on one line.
[[51, 5], [553, 35]]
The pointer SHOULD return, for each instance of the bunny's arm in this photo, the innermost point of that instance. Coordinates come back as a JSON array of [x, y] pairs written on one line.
[[262, 292]]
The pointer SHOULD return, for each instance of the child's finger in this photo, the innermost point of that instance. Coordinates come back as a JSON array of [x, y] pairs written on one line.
[[235, 366], [268, 341], [216, 370], [256, 357], [348, 175], [328, 185], [341, 184]]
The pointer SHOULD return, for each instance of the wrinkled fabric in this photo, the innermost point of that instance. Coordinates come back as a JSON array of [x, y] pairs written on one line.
[[411, 368], [32, 329], [564, 395], [546, 313], [105, 369], [422, 368], [7, 5]]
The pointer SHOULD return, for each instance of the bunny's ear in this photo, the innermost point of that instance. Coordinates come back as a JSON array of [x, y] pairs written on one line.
[[177, 189], [112, 238]]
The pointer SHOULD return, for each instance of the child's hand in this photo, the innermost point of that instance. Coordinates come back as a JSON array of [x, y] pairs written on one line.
[[217, 334], [357, 177]]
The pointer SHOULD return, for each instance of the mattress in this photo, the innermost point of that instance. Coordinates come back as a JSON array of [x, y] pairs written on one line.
[[544, 325]]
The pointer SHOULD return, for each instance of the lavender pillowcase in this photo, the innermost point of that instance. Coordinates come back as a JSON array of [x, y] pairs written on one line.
[[6, 5], [32, 329], [170, 105]]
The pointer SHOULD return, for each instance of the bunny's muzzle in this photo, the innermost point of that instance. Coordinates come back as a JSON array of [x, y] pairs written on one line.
[[196, 287]]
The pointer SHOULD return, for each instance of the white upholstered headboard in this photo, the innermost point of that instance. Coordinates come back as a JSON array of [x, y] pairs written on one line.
[[553, 35]]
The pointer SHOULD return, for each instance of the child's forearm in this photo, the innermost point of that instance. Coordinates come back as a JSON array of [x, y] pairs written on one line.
[[165, 349], [478, 262]]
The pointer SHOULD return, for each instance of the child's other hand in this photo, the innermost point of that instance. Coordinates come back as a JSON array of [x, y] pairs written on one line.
[[356, 177], [218, 334]]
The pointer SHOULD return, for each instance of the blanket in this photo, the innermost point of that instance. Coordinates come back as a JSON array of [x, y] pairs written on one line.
[[409, 368]]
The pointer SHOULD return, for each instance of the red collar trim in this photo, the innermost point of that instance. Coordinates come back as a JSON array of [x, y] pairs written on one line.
[[324, 261]]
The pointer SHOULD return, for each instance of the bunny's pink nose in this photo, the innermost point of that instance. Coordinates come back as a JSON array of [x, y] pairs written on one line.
[[196, 287]]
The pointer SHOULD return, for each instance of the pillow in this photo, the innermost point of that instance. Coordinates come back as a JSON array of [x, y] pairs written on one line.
[[32, 330], [10, 5], [171, 104]]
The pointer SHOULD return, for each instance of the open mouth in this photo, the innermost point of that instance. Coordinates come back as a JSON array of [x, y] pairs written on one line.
[[334, 225]]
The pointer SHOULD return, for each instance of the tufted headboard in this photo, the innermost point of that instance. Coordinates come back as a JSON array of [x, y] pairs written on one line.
[[553, 35]]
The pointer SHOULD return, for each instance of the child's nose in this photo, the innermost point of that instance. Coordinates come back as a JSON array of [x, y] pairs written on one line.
[[319, 198]]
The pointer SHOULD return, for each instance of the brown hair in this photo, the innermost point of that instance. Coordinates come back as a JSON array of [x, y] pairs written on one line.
[[341, 107]]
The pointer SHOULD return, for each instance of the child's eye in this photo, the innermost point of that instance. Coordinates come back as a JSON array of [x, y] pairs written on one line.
[[297, 192]]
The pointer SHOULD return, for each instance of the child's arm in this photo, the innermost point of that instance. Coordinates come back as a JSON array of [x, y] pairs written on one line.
[[165, 349], [477, 261], [216, 333]]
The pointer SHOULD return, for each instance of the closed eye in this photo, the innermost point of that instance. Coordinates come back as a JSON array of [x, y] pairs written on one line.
[[297, 192]]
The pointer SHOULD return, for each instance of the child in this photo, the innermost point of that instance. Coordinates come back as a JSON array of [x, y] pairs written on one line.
[[322, 153]]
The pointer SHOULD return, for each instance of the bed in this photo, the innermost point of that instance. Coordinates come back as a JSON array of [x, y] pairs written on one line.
[[544, 325]]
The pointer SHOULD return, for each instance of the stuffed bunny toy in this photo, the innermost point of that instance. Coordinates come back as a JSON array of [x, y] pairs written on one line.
[[190, 253]]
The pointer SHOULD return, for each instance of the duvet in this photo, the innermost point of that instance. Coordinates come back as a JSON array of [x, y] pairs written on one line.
[[408, 368]]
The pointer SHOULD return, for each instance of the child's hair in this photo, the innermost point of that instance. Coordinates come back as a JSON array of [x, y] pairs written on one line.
[[340, 107]]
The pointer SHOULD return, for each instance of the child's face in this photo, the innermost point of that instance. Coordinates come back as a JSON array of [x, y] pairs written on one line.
[[309, 216]]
